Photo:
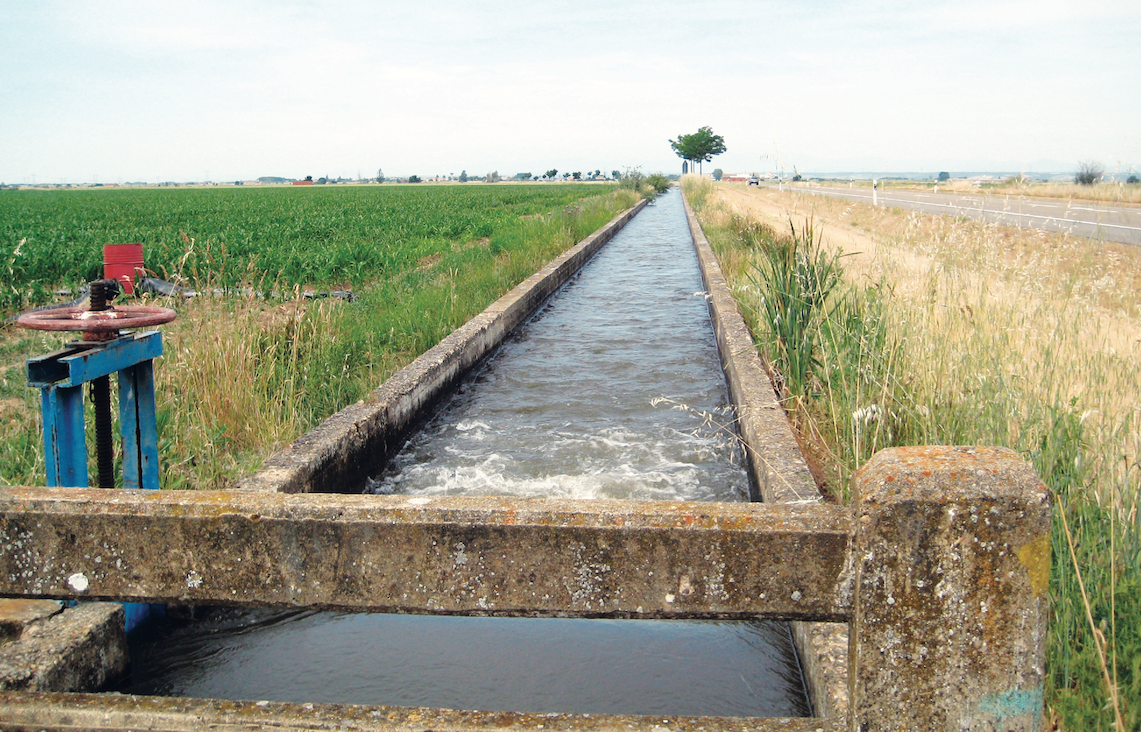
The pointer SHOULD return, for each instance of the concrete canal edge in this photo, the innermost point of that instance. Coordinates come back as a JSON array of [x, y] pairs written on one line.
[[776, 465], [357, 441], [45, 646]]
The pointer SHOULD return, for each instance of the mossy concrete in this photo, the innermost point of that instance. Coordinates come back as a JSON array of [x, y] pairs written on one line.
[[490, 555], [89, 711]]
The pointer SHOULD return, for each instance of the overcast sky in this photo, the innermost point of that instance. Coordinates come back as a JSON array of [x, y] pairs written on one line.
[[122, 91]]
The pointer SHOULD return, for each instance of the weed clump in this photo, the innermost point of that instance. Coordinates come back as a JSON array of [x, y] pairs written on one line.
[[1089, 172], [647, 186]]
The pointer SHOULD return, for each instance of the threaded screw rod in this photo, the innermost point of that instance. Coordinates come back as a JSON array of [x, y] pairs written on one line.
[[101, 398]]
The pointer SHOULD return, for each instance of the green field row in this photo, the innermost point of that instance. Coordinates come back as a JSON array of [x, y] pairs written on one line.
[[227, 236]]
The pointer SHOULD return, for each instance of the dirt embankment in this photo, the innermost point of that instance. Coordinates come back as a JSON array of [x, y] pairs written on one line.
[[862, 249], [906, 248]]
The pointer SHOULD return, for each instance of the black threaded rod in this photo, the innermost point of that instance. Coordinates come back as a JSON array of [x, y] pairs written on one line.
[[101, 398], [104, 447]]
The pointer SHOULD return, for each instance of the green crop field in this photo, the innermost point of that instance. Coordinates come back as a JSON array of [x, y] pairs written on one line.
[[244, 374], [308, 236]]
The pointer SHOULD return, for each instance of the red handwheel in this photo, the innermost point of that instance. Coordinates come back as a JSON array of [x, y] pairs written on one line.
[[84, 320]]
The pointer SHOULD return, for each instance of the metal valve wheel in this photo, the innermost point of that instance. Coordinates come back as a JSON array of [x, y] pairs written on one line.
[[85, 320]]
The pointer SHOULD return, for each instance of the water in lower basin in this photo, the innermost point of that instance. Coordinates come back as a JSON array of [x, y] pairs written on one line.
[[613, 390]]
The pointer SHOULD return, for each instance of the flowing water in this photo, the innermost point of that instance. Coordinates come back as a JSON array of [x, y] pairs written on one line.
[[613, 390]]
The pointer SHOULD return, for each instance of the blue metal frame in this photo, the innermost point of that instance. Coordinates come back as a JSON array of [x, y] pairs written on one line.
[[60, 377]]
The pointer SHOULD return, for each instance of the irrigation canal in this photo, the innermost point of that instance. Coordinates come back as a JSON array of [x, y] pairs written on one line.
[[614, 389]]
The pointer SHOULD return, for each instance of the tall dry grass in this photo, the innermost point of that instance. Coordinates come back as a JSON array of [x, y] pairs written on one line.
[[958, 332]]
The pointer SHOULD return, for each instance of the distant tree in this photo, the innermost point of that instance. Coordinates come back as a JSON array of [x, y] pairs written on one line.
[[322, 181], [577, 176], [492, 177], [551, 173], [1089, 172], [944, 176], [463, 176], [1133, 180], [717, 173], [522, 176], [309, 178], [414, 179], [616, 174], [379, 175], [699, 147]]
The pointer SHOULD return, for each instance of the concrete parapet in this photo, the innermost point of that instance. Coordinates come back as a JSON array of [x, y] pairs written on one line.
[[952, 554], [355, 443], [941, 569], [489, 555]]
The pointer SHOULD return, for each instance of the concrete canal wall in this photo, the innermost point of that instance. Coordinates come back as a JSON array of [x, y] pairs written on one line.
[[777, 467]]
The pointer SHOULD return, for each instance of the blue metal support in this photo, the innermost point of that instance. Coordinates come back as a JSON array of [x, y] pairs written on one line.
[[138, 425], [65, 445], [60, 376]]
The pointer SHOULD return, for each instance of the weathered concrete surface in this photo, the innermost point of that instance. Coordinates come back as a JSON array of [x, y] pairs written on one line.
[[82, 648], [87, 711], [488, 555], [953, 564], [776, 466], [356, 442]]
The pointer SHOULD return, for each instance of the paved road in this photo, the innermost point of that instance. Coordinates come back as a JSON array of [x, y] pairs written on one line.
[[1104, 223]]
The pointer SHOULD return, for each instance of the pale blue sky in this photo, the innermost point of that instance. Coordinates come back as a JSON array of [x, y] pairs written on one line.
[[144, 91]]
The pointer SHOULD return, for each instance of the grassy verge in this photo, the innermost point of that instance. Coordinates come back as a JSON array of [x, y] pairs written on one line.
[[243, 376], [954, 332]]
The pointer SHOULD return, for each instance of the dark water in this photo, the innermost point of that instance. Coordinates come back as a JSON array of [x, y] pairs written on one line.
[[614, 390]]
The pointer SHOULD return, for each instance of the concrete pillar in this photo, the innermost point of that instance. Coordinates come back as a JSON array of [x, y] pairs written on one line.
[[952, 554]]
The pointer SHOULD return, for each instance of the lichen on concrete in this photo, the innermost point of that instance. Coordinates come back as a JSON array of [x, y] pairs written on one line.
[[950, 617]]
